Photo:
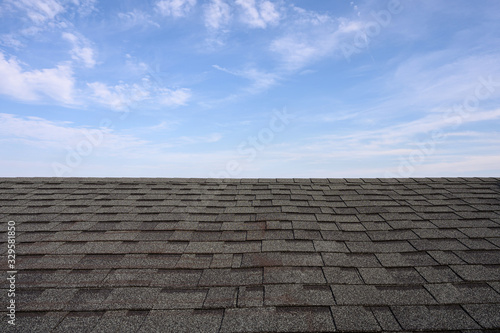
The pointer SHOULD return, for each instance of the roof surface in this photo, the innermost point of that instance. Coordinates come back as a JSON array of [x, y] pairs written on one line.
[[253, 255]]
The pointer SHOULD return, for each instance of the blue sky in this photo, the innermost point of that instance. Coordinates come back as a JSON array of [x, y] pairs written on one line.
[[249, 88]]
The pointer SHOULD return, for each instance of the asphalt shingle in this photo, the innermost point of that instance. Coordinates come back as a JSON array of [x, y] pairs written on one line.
[[253, 255], [434, 317], [354, 319], [381, 295], [280, 319], [297, 295], [183, 321]]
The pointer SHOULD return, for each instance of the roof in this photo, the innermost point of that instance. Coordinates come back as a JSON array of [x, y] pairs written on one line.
[[253, 255]]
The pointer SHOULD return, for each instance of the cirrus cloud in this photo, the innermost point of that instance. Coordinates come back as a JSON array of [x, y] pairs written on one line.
[[175, 8], [124, 96], [217, 14], [82, 51], [258, 15], [39, 11]]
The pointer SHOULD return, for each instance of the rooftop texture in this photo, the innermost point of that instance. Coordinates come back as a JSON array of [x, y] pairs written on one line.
[[253, 255]]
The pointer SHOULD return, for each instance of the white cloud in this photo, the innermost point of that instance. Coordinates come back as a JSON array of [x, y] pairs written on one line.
[[162, 126], [217, 14], [268, 13], [393, 145], [405, 133], [10, 40], [348, 26], [40, 132], [260, 80], [175, 8], [110, 150], [134, 66], [310, 36], [435, 84], [296, 51], [85, 7], [330, 117], [258, 15], [303, 16], [136, 18], [211, 138], [169, 97], [56, 83], [443, 77], [123, 96], [43, 133], [35, 128], [81, 49], [39, 11], [109, 96]]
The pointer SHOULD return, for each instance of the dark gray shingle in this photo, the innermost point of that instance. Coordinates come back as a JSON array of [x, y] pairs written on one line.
[[254, 255]]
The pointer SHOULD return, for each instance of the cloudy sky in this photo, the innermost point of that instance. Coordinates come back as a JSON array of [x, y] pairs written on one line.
[[249, 88]]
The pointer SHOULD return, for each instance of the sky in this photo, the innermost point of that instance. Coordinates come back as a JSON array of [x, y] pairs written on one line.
[[249, 88]]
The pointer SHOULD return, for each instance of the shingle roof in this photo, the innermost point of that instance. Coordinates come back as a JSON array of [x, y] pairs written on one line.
[[253, 255]]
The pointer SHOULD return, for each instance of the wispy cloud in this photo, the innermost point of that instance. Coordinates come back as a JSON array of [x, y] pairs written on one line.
[[43, 133], [443, 77], [39, 11], [36, 85], [308, 17], [114, 97], [10, 40], [258, 14], [123, 96], [35, 129], [173, 97], [298, 50], [330, 117], [162, 126], [310, 37], [175, 8], [217, 14], [407, 132], [81, 51], [260, 80], [214, 137], [55, 139], [137, 18], [134, 66], [85, 7], [433, 84]]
